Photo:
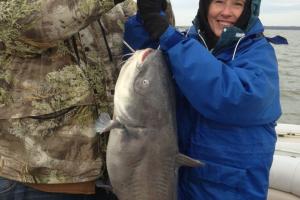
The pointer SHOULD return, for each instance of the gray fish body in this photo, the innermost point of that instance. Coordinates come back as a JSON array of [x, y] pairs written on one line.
[[142, 153]]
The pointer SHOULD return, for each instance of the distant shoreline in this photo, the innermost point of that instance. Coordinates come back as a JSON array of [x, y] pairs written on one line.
[[283, 27], [266, 27]]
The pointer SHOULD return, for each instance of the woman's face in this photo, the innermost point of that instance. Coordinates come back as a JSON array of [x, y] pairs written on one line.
[[224, 13]]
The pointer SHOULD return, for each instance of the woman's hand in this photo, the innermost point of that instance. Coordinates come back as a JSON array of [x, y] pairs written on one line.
[[151, 6], [155, 23]]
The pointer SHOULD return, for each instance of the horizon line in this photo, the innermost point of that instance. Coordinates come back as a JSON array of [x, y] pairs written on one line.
[[265, 26]]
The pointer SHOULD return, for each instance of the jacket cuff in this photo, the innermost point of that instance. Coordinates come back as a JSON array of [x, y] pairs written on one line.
[[170, 38]]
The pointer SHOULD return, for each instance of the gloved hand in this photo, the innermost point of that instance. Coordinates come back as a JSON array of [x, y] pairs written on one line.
[[151, 6], [154, 23], [118, 1]]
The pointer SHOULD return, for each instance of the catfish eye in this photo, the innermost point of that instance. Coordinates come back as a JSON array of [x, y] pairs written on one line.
[[145, 83]]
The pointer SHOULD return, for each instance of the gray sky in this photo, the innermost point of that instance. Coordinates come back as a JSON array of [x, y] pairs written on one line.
[[272, 12]]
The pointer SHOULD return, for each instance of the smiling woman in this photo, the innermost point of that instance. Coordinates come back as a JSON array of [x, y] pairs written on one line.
[[213, 16], [224, 13]]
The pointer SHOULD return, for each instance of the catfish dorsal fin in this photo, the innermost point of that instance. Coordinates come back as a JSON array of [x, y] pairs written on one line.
[[105, 124], [183, 160]]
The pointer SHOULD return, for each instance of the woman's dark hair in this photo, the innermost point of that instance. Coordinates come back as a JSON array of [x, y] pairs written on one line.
[[201, 21]]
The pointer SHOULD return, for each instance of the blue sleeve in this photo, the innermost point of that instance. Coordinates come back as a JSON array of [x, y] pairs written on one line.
[[136, 36], [244, 91]]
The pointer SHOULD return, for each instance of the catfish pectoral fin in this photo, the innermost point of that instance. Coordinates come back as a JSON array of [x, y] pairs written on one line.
[[183, 160], [105, 124]]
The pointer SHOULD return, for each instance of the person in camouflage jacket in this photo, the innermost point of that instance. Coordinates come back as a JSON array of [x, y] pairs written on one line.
[[59, 61]]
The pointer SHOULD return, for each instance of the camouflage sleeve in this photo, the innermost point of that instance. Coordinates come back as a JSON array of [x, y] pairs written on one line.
[[43, 23]]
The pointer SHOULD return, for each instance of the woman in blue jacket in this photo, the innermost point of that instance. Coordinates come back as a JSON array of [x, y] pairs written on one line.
[[226, 74]]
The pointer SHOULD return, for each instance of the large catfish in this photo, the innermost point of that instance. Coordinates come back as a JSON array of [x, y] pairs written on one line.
[[142, 151]]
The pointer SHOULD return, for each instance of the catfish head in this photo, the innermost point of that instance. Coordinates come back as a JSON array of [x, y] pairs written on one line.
[[143, 90]]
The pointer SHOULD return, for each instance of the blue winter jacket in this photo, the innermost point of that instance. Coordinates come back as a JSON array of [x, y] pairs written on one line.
[[227, 107]]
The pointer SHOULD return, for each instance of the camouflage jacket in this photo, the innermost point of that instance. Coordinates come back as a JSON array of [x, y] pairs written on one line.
[[59, 61]]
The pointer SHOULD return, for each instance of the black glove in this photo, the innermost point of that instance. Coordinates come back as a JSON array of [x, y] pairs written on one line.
[[151, 6], [155, 25], [118, 1]]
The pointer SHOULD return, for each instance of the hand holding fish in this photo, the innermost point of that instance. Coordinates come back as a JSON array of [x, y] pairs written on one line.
[[155, 23], [151, 6]]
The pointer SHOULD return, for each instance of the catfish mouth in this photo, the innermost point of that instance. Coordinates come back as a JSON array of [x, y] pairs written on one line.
[[142, 57], [146, 53]]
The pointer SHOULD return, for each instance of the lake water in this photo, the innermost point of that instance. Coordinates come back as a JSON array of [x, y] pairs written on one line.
[[289, 69]]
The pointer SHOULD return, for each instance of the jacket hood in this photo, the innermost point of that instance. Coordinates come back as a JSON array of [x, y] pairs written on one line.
[[255, 8]]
